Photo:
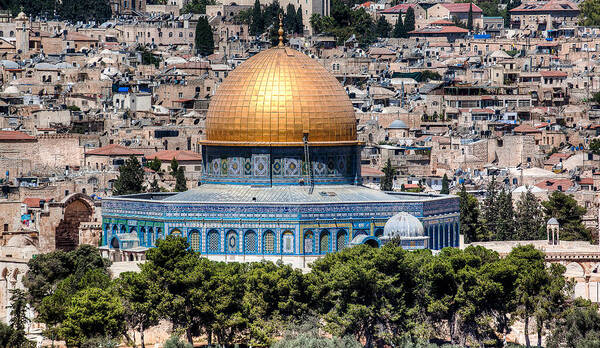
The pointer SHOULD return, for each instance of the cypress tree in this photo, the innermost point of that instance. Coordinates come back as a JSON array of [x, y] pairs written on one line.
[[387, 184], [399, 28], [174, 166], [205, 44], [409, 21], [299, 21], [131, 177], [470, 18], [180, 182], [445, 185], [490, 211], [469, 216], [289, 21], [154, 186], [529, 217], [257, 25], [382, 27], [506, 217]]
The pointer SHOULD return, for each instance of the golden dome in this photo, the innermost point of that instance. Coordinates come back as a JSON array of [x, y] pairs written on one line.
[[274, 98]]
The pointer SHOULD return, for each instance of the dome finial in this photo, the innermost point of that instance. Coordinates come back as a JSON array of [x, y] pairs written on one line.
[[280, 30]]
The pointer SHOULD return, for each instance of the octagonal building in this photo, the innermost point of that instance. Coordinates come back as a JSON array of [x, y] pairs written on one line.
[[281, 177]]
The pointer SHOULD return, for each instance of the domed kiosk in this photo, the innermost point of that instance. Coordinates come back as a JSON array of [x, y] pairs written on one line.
[[281, 176], [407, 229]]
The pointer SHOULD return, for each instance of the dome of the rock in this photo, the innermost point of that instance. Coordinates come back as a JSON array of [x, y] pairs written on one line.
[[275, 98]]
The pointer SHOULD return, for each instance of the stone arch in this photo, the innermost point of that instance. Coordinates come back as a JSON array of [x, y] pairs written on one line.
[[574, 270], [114, 243], [5, 273], [372, 242], [77, 208], [175, 232], [15, 274]]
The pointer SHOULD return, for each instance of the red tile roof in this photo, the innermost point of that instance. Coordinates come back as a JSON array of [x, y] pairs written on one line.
[[14, 135], [179, 155], [462, 7], [32, 202], [370, 171], [558, 5], [553, 184], [556, 158], [586, 181], [411, 186], [114, 150], [553, 73], [442, 22], [401, 8], [525, 128]]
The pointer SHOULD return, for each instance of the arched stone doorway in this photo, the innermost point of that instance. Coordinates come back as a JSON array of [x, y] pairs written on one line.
[[77, 209], [372, 243]]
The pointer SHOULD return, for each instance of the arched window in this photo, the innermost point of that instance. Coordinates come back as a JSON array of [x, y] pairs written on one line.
[[180, 34], [115, 230], [171, 34], [269, 242], [175, 232], [195, 240], [160, 34], [159, 233], [12, 33], [149, 237], [214, 242], [287, 242], [250, 242], [231, 242], [142, 235], [132, 230], [191, 34], [342, 238], [324, 242], [357, 233], [308, 242]]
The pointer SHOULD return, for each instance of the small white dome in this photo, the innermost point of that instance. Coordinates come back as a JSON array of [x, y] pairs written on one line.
[[403, 225]]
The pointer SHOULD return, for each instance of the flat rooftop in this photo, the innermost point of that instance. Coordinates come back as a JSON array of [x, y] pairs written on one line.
[[283, 194]]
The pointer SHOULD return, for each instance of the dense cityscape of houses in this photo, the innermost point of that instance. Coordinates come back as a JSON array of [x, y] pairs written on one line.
[[462, 95]]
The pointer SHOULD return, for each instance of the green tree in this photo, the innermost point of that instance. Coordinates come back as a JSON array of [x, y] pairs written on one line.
[[470, 17], [469, 215], [257, 25], [155, 164], [174, 167], [506, 217], [91, 313], [197, 6], [180, 181], [590, 13], [399, 28], [299, 21], [140, 298], [579, 327], [154, 186], [490, 212], [176, 342], [18, 317], [445, 185], [365, 292], [409, 20], [428, 75], [130, 179], [529, 218], [289, 20], [92, 10], [569, 215], [205, 44], [595, 146], [387, 183], [383, 27], [180, 272]]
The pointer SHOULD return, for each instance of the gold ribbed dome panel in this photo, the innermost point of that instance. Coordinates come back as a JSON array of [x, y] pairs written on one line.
[[274, 98]]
